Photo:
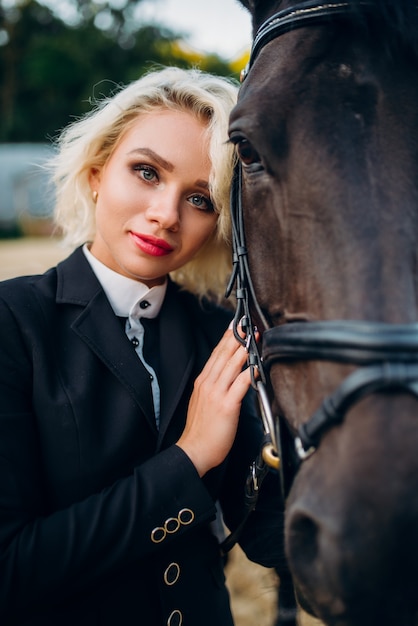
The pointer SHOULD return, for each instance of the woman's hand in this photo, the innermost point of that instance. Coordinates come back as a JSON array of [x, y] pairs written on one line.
[[215, 404]]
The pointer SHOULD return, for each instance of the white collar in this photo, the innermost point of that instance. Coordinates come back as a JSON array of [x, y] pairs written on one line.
[[127, 296]]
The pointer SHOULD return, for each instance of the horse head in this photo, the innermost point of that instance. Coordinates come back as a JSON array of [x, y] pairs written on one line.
[[326, 131]]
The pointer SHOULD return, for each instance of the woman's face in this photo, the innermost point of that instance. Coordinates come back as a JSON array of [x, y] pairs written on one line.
[[153, 211]]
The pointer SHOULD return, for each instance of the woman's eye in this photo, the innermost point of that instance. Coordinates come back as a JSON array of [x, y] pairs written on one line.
[[146, 172], [201, 202]]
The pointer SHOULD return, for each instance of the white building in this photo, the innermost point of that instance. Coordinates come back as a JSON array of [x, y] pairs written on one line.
[[26, 195]]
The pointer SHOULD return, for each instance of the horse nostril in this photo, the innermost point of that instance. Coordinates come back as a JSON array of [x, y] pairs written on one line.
[[303, 539]]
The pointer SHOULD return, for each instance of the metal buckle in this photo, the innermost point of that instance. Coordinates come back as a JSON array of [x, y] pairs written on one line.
[[302, 453]]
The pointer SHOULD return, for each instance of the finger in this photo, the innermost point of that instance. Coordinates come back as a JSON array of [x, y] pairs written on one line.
[[225, 349], [226, 362], [239, 330], [240, 386]]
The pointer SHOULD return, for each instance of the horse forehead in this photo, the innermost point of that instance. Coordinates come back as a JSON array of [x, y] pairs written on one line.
[[283, 65], [270, 78], [290, 68]]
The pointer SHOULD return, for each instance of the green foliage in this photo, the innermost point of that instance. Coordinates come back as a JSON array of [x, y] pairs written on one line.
[[51, 70]]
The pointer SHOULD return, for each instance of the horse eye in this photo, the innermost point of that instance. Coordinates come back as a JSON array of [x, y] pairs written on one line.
[[246, 152]]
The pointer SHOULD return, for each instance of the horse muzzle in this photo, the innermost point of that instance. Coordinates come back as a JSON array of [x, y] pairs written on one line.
[[352, 517]]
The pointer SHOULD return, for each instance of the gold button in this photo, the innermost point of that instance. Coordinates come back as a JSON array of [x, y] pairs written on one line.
[[175, 619], [158, 534], [171, 574], [172, 525], [186, 516]]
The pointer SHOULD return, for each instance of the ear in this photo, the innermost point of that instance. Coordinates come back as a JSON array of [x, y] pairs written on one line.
[[94, 178], [252, 5], [259, 9]]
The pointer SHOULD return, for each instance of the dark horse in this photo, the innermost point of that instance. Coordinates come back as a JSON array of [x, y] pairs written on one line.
[[326, 130]]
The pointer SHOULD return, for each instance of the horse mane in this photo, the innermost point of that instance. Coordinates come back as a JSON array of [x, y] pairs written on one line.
[[398, 21]]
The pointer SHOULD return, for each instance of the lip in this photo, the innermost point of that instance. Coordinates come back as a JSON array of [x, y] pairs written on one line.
[[151, 245]]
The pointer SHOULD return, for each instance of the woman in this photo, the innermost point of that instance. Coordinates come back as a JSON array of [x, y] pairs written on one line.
[[117, 443]]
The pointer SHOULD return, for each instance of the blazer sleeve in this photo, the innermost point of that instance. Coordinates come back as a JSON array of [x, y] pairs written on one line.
[[46, 555]]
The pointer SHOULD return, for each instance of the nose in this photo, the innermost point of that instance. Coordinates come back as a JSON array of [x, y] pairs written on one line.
[[165, 209]]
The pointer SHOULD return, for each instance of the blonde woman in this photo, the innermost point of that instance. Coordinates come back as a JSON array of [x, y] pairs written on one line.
[[121, 388]]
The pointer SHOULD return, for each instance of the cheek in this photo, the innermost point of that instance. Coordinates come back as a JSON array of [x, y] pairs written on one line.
[[203, 233], [104, 213], [118, 187], [114, 202]]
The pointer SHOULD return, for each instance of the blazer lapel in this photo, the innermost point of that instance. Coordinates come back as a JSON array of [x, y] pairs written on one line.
[[178, 355], [97, 325]]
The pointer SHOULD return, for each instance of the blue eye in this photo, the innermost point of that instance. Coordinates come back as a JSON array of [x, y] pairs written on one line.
[[201, 202], [146, 172]]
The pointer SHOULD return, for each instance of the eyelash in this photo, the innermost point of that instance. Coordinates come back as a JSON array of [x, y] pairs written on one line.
[[209, 204], [147, 169], [142, 169]]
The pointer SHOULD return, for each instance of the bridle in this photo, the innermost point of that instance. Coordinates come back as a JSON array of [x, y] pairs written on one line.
[[386, 354]]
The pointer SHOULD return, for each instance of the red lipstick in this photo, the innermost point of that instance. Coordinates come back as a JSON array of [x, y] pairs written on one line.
[[151, 245]]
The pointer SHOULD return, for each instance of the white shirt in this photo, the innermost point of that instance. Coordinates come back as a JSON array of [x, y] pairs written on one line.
[[126, 294]]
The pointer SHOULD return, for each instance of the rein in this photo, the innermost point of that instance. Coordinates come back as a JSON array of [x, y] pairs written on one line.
[[245, 295], [387, 354]]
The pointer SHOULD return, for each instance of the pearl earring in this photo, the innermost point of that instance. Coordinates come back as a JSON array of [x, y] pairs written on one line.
[[95, 195]]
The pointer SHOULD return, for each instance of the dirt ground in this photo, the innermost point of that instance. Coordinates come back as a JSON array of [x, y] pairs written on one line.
[[253, 588]]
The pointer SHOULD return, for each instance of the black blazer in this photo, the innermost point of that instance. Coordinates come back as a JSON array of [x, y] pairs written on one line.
[[103, 519]]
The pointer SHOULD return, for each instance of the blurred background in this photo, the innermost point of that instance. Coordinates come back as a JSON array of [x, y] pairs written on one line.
[[57, 57]]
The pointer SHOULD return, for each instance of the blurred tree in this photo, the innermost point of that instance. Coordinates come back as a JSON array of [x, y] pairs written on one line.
[[54, 60]]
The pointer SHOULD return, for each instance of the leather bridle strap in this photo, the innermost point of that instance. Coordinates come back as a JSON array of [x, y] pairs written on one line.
[[387, 355], [347, 341], [241, 278], [245, 297]]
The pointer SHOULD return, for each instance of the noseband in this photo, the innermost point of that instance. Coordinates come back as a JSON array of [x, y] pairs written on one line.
[[386, 354]]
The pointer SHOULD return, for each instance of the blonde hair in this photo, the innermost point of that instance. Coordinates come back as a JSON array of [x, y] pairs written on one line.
[[88, 143]]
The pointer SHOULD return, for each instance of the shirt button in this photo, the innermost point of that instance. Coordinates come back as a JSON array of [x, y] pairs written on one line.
[[144, 304], [135, 342]]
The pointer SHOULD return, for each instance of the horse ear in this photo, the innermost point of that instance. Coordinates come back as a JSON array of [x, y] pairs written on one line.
[[252, 5], [249, 4]]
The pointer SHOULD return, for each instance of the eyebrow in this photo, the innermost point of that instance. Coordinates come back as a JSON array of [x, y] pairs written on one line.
[[202, 183], [159, 159], [165, 164]]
